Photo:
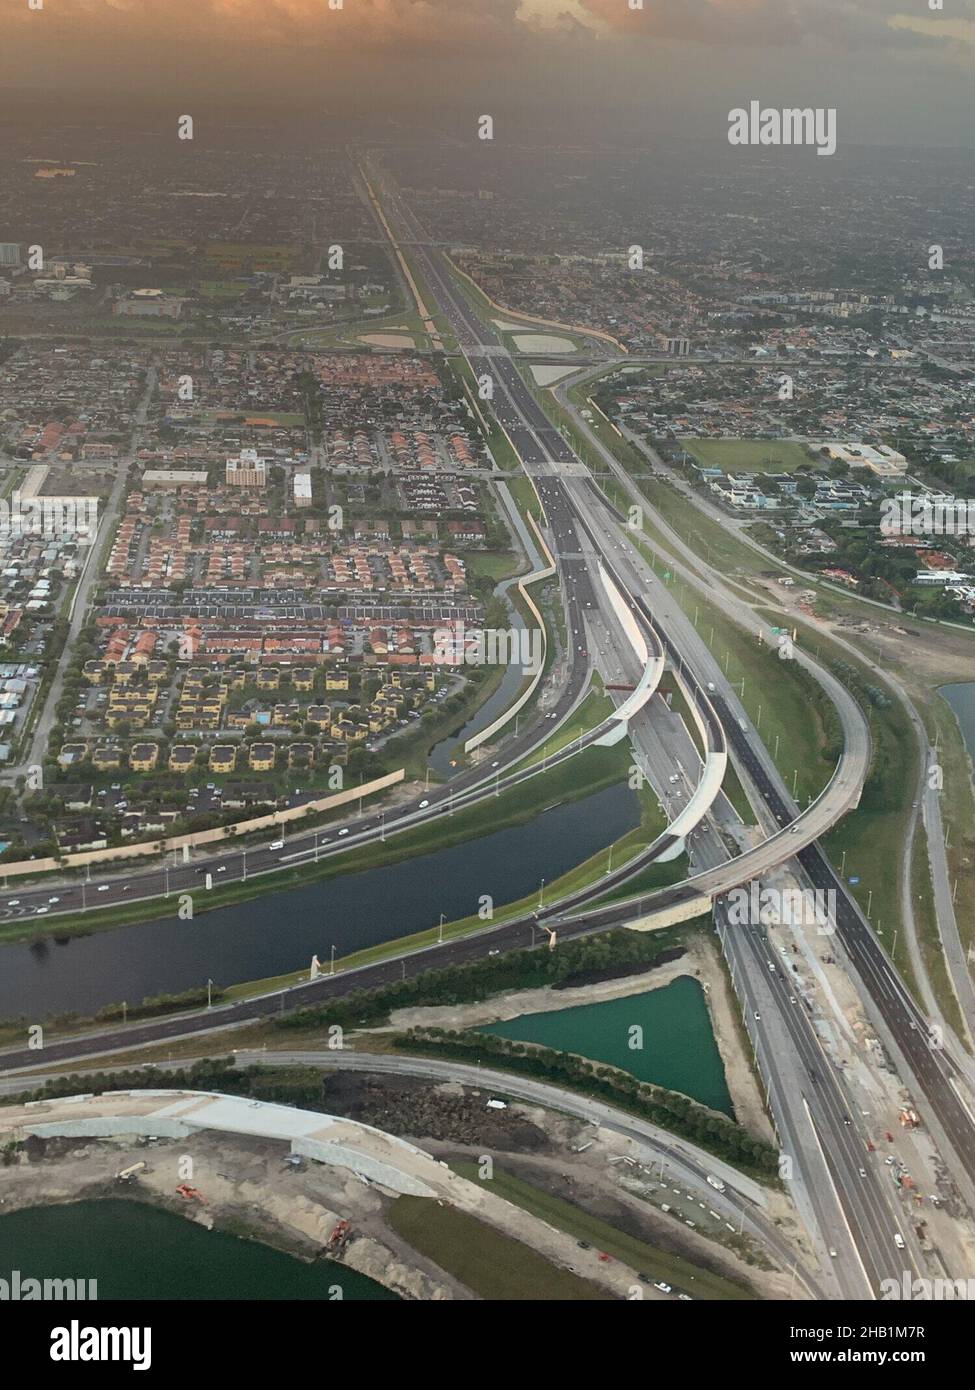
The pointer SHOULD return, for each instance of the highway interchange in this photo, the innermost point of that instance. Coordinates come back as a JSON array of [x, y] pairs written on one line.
[[847, 1204]]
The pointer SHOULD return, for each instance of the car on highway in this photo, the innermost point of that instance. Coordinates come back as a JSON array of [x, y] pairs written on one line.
[[14, 902], [847, 1120], [222, 869], [39, 910], [832, 1252], [54, 900], [863, 1172], [276, 844], [758, 1015], [344, 830], [424, 804], [662, 1286], [104, 887]]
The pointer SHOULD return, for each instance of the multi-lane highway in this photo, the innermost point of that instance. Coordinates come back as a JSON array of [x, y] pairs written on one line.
[[547, 456], [578, 519]]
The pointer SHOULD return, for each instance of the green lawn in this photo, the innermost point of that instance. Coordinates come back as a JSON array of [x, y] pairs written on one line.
[[640, 1256], [778, 696], [748, 455], [490, 1264]]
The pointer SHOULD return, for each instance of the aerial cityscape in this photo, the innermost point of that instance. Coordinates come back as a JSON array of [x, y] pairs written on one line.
[[487, 663]]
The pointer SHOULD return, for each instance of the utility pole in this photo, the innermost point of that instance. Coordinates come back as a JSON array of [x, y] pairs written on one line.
[[331, 966], [440, 929]]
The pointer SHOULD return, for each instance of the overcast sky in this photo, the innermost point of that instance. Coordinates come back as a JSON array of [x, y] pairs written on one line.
[[896, 70]]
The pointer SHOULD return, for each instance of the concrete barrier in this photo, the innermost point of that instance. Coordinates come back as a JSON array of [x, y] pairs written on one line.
[[484, 735]]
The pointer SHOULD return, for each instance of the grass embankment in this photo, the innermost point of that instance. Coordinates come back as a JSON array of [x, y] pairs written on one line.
[[489, 1263], [873, 836], [593, 770], [957, 809], [929, 938], [584, 874], [584, 960], [495, 437], [788, 708], [590, 712], [628, 1249]]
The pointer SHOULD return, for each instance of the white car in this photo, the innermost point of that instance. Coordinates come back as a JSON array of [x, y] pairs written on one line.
[[276, 844], [14, 902], [664, 1288], [104, 887], [54, 900], [344, 831], [39, 910], [424, 804]]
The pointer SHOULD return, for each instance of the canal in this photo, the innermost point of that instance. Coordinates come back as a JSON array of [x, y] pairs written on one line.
[[280, 932]]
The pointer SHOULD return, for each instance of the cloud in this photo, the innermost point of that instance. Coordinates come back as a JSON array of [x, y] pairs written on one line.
[[363, 24], [840, 24]]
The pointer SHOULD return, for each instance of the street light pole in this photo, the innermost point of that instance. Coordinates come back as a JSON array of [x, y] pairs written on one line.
[[440, 930], [331, 967]]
